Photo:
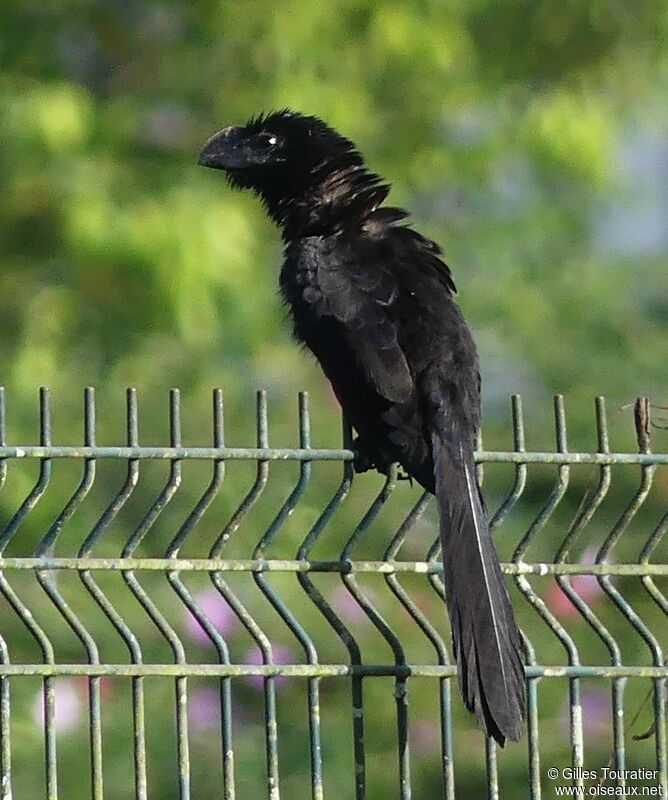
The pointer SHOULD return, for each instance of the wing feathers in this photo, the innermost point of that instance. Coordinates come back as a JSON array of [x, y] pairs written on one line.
[[359, 294]]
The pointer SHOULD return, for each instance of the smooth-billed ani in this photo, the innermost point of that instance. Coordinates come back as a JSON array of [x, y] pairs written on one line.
[[373, 300]]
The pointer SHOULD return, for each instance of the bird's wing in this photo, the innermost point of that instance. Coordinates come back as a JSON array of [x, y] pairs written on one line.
[[353, 286]]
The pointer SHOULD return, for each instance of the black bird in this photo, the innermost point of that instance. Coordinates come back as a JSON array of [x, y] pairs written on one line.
[[373, 300]]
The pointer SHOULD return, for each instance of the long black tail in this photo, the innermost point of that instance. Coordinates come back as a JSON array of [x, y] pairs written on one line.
[[485, 635]]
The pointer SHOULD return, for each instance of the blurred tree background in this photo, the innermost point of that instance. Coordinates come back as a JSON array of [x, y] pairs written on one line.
[[528, 138]]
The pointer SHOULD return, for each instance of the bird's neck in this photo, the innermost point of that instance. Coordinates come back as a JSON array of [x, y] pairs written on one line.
[[325, 203]]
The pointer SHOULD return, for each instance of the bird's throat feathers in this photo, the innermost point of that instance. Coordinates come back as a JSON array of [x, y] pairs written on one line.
[[329, 198]]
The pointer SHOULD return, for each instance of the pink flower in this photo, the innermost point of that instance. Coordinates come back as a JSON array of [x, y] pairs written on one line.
[[425, 738], [217, 610], [69, 706], [204, 709], [349, 609], [281, 655], [586, 586], [596, 713], [107, 686]]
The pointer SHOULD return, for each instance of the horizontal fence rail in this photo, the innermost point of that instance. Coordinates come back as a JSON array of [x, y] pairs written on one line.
[[138, 577]]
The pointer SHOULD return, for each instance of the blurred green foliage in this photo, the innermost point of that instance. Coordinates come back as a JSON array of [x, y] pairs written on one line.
[[527, 138]]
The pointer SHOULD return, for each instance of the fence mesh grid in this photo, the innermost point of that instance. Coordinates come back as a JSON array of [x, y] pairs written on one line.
[[136, 604]]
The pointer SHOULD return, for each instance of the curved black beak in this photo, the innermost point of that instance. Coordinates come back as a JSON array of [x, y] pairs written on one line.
[[222, 150]]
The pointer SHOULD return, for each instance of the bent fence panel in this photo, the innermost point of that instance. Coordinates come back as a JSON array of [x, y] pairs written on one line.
[[212, 621]]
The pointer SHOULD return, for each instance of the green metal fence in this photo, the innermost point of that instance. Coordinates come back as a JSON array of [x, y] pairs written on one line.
[[319, 582]]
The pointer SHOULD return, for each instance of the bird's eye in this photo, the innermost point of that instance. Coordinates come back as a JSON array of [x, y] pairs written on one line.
[[266, 140]]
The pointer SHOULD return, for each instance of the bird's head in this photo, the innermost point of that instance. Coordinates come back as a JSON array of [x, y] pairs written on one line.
[[283, 148], [311, 179]]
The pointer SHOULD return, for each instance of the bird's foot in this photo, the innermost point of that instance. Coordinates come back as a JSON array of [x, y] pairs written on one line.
[[362, 462], [404, 476]]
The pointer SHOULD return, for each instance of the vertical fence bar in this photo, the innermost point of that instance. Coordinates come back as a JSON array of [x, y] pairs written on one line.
[[642, 422], [5, 707], [555, 497], [385, 630], [48, 582], [109, 514], [445, 688], [492, 769], [518, 487], [661, 686], [303, 554], [242, 613], [148, 521], [431, 634], [138, 701], [225, 682], [356, 685], [313, 683], [577, 741], [49, 684], [94, 694], [313, 688], [194, 608], [270, 720], [181, 681]]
